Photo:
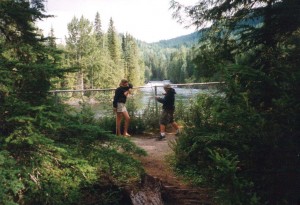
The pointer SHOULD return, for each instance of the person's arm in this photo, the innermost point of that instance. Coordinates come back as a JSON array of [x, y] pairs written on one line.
[[166, 99], [127, 89], [126, 93], [159, 99]]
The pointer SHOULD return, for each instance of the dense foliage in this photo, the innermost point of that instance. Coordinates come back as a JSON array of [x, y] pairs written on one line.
[[47, 155], [246, 144], [171, 59], [102, 58]]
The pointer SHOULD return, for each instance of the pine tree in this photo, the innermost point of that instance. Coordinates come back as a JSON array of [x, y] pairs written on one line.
[[178, 65], [27, 65], [102, 69], [98, 30], [52, 38], [114, 49], [113, 42], [254, 45], [134, 72], [81, 45], [42, 145]]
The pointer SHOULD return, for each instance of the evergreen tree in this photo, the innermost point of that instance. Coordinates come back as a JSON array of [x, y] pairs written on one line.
[[107, 72], [113, 42], [47, 155], [177, 70], [52, 38], [81, 45], [25, 69], [98, 30], [248, 140], [134, 72], [114, 49], [102, 73]]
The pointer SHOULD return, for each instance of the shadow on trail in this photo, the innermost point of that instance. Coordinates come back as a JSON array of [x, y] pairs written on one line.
[[160, 185]]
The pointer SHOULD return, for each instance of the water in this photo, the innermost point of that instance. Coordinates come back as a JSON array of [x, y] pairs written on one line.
[[143, 98]]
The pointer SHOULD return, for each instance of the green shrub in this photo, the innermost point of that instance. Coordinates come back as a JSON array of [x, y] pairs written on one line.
[[10, 185], [244, 154], [58, 155], [209, 153]]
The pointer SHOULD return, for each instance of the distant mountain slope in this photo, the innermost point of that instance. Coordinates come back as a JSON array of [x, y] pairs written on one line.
[[186, 40], [193, 38]]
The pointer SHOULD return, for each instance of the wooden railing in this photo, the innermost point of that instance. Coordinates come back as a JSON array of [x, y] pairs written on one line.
[[111, 89], [56, 92]]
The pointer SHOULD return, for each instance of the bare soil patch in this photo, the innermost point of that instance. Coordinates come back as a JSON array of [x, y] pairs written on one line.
[[174, 190], [156, 162]]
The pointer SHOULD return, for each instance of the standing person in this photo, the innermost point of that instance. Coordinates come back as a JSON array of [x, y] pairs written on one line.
[[168, 108], [119, 101]]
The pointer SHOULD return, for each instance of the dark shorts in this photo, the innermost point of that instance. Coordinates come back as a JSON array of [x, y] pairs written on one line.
[[167, 116]]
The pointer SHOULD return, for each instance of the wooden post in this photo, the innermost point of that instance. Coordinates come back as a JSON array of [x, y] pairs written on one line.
[[56, 97], [155, 94]]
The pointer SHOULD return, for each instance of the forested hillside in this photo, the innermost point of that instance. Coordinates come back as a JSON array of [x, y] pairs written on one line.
[[171, 59], [103, 57], [188, 41]]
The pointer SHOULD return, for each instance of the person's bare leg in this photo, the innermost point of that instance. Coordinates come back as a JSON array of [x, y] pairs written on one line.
[[162, 128], [175, 125], [118, 122], [162, 131], [126, 124]]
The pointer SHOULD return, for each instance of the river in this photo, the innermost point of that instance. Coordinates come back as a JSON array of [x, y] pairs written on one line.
[[143, 97]]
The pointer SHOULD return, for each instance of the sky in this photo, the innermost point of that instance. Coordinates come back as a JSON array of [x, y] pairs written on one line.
[[146, 20]]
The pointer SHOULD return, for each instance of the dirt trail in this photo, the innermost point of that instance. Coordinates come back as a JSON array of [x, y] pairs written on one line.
[[174, 190], [155, 163]]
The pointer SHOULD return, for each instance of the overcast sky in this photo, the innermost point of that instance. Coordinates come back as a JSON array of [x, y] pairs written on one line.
[[146, 20]]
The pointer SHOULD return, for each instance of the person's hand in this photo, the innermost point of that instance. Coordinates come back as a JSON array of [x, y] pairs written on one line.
[[115, 109]]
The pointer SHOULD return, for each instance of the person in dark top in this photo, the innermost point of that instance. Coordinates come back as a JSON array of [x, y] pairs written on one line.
[[168, 108], [119, 101]]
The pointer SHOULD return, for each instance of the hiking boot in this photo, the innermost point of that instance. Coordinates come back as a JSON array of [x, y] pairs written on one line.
[[160, 137]]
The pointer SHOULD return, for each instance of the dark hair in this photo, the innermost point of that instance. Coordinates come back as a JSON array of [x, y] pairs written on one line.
[[123, 81]]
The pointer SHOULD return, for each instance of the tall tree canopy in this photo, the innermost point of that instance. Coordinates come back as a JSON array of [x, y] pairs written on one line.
[[47, 155], [240, 26], [276, 15], [247, 140], [25, 65]]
